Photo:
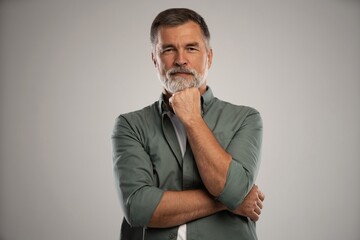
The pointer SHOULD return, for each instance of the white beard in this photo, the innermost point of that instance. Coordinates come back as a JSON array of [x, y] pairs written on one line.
[[174, 83]]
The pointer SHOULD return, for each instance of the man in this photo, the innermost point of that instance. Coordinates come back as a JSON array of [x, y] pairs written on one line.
[[186, 165]]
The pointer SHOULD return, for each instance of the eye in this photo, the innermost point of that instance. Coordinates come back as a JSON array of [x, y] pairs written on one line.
[[192, 49], [167, 50]]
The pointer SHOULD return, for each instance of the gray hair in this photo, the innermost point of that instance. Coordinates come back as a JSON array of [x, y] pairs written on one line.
[[176, 16]]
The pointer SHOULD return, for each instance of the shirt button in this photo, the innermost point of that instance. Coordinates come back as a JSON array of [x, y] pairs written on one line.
[[172, 236]]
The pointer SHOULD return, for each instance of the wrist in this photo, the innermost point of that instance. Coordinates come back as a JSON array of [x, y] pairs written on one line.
[[193, 122]]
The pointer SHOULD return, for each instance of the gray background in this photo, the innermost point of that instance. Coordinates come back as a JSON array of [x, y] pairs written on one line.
[[68, 68]]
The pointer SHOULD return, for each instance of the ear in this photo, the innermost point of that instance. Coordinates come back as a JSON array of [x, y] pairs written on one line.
[[210, 57], [153, 58]]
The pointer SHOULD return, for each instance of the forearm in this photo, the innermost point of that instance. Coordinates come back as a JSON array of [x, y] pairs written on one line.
[[179, 207], [211, 159]]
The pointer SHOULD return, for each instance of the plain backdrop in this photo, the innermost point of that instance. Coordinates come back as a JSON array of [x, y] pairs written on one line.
[[69, 68]]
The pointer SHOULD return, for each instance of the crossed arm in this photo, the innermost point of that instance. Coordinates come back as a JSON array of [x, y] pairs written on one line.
[[176, 208], [172, 208], [213, 162]]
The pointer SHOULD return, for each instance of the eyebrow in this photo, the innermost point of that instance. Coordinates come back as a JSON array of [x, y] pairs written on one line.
[[192, 44], [164, 46]]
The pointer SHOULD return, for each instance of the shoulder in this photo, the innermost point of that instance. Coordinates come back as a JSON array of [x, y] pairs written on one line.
[[233, 109], [137, 119], [224, 116], [147, 111]]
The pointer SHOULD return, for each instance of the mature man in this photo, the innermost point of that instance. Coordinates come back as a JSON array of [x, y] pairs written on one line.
[[186, 165]]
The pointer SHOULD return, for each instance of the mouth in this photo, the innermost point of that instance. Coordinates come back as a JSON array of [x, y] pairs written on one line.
[[181, 73]]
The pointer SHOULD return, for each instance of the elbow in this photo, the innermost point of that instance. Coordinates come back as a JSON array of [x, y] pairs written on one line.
[[132, 209], [139, 207], [217, 188], [133, 217], [236, 188]]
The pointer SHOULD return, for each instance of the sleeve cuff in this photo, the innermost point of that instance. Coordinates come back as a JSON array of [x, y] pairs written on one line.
[[143, 204], [238, 184]]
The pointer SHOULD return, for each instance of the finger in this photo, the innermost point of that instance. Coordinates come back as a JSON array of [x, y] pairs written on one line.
[[257, 210], [260, 204], [261, 195], [254, 217]]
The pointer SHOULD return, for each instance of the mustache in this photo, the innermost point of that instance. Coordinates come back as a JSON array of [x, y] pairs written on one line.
[[181, 70]]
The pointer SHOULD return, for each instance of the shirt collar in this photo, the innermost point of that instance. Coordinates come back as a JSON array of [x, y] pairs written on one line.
[[206, 99]]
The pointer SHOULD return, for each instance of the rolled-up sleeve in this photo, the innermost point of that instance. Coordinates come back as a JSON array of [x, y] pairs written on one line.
[[133, 173], [245, 151]]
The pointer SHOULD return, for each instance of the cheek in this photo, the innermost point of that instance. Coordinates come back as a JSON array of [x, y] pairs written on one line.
[[203, 64], [162, 69], [164, 64]]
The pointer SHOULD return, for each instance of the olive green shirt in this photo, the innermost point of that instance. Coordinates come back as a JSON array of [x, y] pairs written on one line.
[[148, 161]]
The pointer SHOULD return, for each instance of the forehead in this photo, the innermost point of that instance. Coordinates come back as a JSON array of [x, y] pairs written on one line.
[[187, 32]]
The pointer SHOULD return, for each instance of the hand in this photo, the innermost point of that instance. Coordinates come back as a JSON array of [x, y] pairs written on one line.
[[186, 104], [252, 204]]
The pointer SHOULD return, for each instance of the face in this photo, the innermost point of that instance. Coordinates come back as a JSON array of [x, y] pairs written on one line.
[[181, 57]]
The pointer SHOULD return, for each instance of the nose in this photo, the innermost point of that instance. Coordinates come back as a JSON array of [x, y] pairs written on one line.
[[180, 59]]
